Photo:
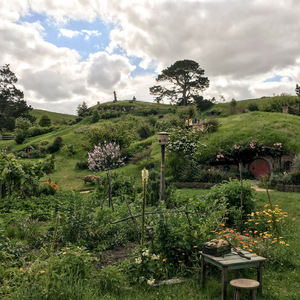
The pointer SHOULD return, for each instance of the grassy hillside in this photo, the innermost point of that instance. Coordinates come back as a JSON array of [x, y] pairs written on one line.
[[57, 118], [264, 127], [263, 104]]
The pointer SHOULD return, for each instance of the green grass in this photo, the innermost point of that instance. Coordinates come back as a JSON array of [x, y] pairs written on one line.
[[57, 118]]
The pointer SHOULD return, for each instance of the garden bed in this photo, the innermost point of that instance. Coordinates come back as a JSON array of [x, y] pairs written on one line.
[[194, 185], [288, 188]]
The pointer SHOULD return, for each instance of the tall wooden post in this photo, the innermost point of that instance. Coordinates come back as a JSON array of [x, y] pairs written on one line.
[[162, 141], [162, 175]]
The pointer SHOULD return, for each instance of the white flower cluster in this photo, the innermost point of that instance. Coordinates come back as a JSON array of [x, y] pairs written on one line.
[[105, 157]]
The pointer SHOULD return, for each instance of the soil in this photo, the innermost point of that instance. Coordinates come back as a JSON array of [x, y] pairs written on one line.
[[112, 256]]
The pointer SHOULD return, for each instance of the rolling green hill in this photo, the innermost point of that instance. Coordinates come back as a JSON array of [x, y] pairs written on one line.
[[57, 118], [265, 127]]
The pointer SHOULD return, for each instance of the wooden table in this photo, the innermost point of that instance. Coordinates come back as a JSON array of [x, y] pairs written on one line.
[[232, 261]]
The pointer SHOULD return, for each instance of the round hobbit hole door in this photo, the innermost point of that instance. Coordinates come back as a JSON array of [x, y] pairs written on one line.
[[259, 167]]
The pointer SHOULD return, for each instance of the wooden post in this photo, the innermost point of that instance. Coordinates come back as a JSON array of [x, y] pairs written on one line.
[[110, 191], [241, 179], [224, 282], [203, 266], [162, 175], [134, 221]]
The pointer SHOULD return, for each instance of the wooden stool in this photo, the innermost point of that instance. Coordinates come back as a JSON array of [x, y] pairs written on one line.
[[244, 284]]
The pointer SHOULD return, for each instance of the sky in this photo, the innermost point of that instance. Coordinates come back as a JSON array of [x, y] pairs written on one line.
[[67, 52]]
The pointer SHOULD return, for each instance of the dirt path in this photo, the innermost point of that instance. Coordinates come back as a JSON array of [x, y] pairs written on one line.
[[257, 188]]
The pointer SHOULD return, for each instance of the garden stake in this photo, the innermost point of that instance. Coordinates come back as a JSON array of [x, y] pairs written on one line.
[[134, 221], [110, 191], [145, 181]]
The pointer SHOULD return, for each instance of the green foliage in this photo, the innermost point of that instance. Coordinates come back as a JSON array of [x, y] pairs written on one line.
[[45, 121], [82, 110], [56, 145], [231, 192], [202, 104], [23, 124], [146, 267], [297, 90], [187, 112], [37, 130], [12, 103], [95, 116], [20, 178], [177, 237], [253, 107], [186, 78], [118, 133], [145, 131], [153, 189], [169, 122]]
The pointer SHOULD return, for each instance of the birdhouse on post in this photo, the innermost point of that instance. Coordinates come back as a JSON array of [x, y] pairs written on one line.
[[163, 138]]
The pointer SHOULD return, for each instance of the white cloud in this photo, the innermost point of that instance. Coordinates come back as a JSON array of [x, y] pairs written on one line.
[[69, 33], [73, 33], [238, 43]]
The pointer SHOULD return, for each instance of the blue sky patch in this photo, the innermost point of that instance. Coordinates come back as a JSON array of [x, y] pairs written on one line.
[[277, 78], [83, 36]]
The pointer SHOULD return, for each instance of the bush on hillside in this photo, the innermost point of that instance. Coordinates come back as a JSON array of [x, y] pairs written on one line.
[[37, 130], [56, 145], [253, 107], [145, 131], [106, 156]]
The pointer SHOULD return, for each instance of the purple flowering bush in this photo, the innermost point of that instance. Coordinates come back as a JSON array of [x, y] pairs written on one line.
[[105, 157]]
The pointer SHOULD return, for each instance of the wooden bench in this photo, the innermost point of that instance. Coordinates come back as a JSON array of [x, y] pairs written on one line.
[[244, 284]]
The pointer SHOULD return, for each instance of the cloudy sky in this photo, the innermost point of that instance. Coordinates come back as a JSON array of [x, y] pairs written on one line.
[[67, 52]]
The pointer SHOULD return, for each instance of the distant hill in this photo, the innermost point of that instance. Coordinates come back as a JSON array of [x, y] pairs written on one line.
[[57, 118]]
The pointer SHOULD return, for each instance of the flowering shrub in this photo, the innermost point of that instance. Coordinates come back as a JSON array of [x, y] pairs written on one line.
[[105, 157], [246, 152], [146, 267], [262, 234], [49, 188]]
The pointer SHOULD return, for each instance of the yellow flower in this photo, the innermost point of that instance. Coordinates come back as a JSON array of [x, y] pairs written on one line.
[[21, 269], [42, 272], [287, 244], [164, 259]]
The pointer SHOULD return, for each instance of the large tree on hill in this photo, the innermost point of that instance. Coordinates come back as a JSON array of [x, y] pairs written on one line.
[[12, 103], [184, 80]]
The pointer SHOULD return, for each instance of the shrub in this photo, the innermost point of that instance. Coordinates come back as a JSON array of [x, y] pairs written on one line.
[[231, 191], [20, 136], [105, 157], [145, 131], [56, 145], [37, 130], [45, 121], [253, 107], [212, 125], [82, 164]]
